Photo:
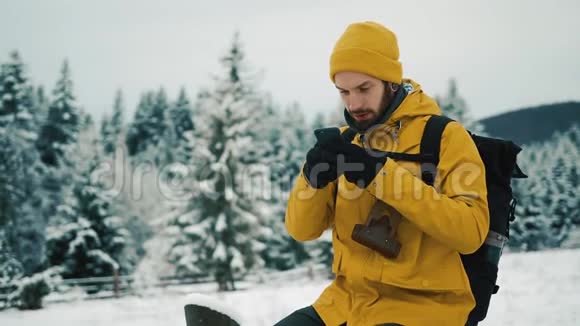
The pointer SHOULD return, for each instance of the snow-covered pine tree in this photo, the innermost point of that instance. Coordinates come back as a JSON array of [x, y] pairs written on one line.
[[20, 221], [96, 204], [10, 267], [61, 128], [531, 229], [112, 126], [290, 139], [11, 175], [548, 204], [561, 202], [182, 129], [87, 213], [146, 137], [295, 135], [221, 229], [118, 116], [41, 104], [57, 142], [455, 107], [16, 99], [159, 124], [86, 237], [525, 229], [74, 245], [567, 173], [140, 133], [11, 197], [106, 135]]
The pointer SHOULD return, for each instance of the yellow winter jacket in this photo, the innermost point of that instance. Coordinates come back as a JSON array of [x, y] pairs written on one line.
[[426, 284]]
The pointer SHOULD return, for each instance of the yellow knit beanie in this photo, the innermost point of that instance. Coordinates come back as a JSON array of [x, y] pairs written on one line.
[[369, 48]]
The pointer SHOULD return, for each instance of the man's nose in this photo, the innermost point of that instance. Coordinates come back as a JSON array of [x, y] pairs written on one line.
[[355, 102]]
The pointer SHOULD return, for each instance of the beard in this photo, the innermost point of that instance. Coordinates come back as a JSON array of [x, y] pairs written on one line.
[[373, 115], [367, 121]]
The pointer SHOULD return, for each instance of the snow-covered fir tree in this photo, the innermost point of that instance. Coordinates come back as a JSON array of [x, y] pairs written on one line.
[[106, 135], [221, 231], [566, 174], [147, 134], [296, 136], [17, 99], [455, 107], [180, 135], [532, 227], [12, 175], [112, 126], [20, 222], [291, 141], [61, 128], [118, 116], [74, 245], [10, 267], [159, 123], [96, 204], [548, 205], [139, 134], [57, 143], [41, 103], [87, 238]]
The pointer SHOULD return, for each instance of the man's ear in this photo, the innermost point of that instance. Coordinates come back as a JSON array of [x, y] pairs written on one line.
[[390, 88]]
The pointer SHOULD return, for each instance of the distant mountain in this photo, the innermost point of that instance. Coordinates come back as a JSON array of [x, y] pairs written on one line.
[[534, 124]]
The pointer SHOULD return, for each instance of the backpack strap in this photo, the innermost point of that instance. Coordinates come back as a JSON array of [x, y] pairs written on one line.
[[349, 134], [428, 157], [431, 146]]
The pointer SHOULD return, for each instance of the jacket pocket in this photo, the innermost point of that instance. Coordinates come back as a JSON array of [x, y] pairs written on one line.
[[420, 277]]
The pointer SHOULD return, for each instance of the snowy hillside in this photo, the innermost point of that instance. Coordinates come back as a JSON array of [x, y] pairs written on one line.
[[539, 288]]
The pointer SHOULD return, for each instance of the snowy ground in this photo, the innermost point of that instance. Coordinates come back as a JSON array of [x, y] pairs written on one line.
[[536, 289]]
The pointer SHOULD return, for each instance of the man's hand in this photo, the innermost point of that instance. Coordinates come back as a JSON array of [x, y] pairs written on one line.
[[360, 165], [333, 156], [320, 168]]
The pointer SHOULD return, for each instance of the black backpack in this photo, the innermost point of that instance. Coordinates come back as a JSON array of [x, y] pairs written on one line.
[[500, 160], [499, 157]]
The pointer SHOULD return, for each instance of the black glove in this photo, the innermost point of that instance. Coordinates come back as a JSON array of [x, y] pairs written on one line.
[[360, 165], [320, 167]]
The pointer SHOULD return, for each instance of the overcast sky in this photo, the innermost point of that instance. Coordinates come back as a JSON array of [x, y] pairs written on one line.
[[504, 54]]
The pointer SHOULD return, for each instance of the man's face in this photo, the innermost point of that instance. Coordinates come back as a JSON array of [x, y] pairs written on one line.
[[363, 96]]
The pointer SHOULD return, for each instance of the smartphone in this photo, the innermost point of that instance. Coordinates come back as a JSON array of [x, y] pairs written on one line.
[[327, 135]]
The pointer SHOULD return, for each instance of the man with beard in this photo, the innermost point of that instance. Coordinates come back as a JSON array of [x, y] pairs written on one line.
[[346, 182]]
